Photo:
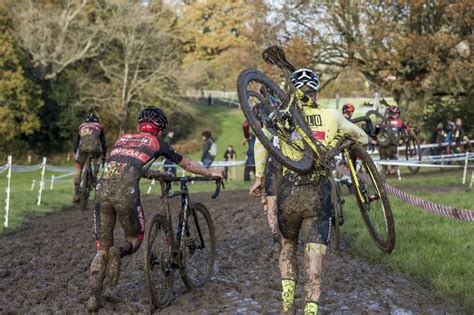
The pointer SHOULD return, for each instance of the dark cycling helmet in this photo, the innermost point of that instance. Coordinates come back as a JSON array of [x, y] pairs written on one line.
[[305, 77], [153, 115], [91, 117], [348, 108]]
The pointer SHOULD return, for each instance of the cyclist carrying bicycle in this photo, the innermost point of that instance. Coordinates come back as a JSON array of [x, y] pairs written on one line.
[[118, 195], [389, 151], [90, 140], [304, 201]]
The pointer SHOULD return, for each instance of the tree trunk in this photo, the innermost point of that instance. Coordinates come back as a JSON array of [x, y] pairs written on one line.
[[123, 122]]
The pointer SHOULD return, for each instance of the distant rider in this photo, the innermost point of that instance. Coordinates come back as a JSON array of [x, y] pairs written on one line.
[[90, 140], [389, 151]]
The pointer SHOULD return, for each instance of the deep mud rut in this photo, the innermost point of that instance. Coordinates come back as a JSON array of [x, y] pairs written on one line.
[[44, 269]]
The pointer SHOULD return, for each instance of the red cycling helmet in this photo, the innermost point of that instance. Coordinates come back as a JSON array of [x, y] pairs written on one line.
[[393, 110], [348, 108]]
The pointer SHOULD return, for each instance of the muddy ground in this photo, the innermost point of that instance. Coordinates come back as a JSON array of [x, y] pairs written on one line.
[[44, 269]]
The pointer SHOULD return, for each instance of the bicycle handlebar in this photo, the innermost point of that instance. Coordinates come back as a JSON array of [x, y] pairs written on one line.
[[187, 179]]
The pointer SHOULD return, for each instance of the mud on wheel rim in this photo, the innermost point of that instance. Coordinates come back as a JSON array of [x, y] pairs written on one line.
[[376, 211], [157, 263]]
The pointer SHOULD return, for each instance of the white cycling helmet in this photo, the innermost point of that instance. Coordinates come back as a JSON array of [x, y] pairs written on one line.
[[302, 77]]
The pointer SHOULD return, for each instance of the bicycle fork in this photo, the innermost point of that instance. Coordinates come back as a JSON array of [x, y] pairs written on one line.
[[359, 185]]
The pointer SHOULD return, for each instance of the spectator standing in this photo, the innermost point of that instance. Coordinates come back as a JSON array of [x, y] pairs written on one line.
[[209, 100], [169, 166], [229, 155], [208, 150]]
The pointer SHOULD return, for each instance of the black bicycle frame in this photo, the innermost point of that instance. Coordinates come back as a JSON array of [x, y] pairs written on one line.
[[182, 227]]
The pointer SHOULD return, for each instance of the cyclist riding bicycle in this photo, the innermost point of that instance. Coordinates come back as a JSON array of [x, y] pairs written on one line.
[[118, 196], [389, 151], [90, 140], [304, 201]]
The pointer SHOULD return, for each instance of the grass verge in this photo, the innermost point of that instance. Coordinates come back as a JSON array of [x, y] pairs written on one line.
[[434, 250]]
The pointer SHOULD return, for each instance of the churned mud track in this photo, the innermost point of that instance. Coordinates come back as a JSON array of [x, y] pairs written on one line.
[[44, 269]]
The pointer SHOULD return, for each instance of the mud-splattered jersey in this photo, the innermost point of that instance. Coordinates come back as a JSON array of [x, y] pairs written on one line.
[[90, 138], [327, 125], [132, 151]]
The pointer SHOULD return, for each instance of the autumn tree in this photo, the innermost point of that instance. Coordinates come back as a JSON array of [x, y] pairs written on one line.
[[220, 38], [19, 102], [140, 64], [57, 34], [415, 50]]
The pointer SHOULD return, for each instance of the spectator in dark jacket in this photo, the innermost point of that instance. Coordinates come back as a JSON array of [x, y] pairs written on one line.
[[206, 157]]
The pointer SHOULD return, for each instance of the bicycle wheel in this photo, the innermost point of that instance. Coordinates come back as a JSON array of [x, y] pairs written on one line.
[[264, 105], [198, 248], [336, 215], [158, 259], [412, 151], [85, 185], [372, 199]]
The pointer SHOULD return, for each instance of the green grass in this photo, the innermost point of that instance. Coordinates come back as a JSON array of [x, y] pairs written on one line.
[[432, 249], [23, 199], [226, 126], [225, 123]]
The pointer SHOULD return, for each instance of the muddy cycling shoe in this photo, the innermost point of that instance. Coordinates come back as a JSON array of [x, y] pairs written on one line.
[[94, 303], [76, 198], [113, 271]]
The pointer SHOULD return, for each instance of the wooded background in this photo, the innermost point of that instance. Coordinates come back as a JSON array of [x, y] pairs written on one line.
[[62, 59]]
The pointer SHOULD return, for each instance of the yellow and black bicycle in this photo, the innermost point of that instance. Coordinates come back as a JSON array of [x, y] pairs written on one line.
[[278, 122]]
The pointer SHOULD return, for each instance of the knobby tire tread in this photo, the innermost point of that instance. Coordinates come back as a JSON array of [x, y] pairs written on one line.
[[388, 246]]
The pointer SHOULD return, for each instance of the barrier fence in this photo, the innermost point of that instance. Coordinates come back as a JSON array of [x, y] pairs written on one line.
[[439, 209]]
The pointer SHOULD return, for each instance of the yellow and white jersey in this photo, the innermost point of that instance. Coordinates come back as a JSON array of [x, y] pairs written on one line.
[[328, 126]]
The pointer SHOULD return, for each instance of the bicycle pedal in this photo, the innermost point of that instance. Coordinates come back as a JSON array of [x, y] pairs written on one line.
[[341, 220]]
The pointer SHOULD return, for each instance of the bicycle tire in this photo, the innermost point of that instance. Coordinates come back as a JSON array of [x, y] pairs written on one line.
[[196, 223], [246, 78], [382, 230], [158, 263], [85, 185], [336, 225], [412, 149]]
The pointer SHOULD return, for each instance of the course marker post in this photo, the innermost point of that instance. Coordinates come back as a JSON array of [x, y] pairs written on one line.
[[52, 183], [7, 199], [41, 184], [33, 182], [465, 168], [472, 180], [149, 187]]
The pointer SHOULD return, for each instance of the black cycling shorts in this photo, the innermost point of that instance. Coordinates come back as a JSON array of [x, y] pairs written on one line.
[[307, 207]]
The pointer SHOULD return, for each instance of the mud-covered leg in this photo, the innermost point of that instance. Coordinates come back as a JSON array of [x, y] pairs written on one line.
[[77, 181], [132, 220], [270, 209], [104, 223], [289, 274], [315, 234]]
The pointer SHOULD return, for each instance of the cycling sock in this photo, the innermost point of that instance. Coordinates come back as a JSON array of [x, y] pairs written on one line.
[[288, 294], [311, 308], [318, 248]]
